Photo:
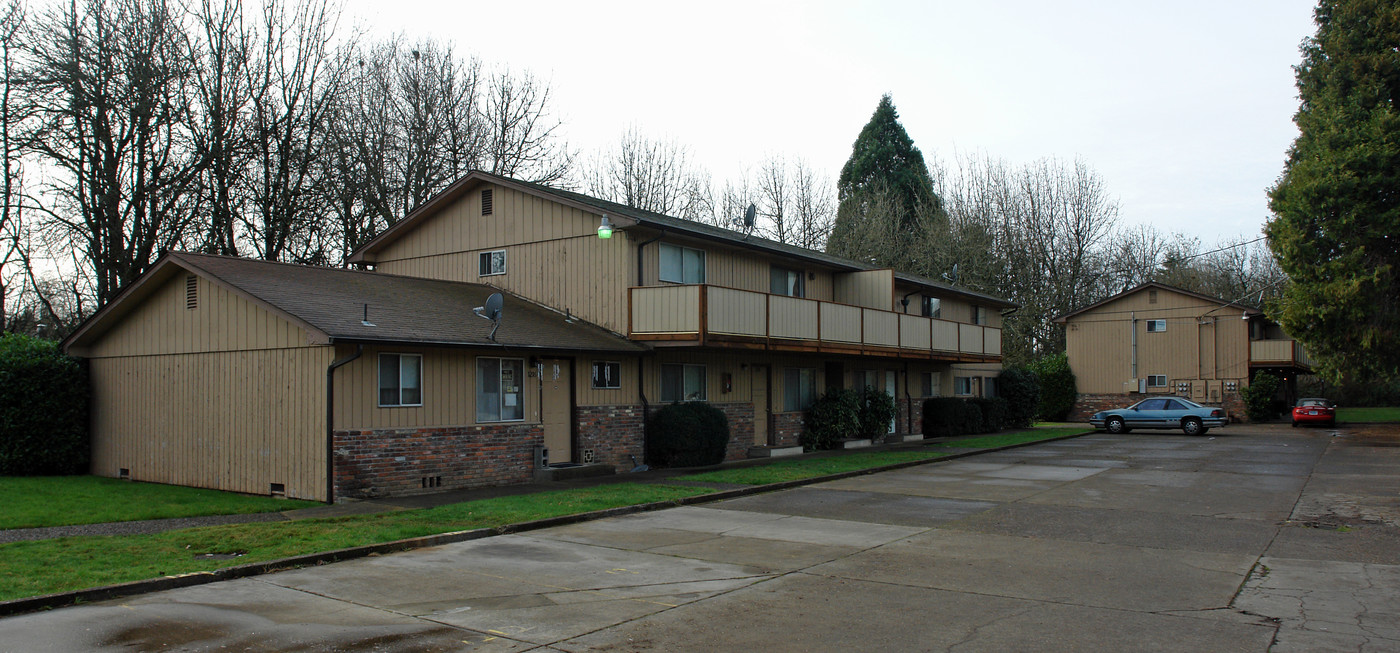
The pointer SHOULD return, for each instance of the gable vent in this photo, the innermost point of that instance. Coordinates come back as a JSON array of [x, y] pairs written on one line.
[[191, 292], [487, 201]]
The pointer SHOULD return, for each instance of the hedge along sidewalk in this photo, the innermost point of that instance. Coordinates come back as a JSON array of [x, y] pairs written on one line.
[[59, 599]]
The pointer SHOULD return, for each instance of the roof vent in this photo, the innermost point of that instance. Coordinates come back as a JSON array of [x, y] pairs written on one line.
[[487, 201], [191, 292]]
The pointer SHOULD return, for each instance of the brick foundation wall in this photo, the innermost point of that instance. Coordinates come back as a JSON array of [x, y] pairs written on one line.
[[612, 432], [787, 429], [394, 462], [1086, 405], [740, 418]]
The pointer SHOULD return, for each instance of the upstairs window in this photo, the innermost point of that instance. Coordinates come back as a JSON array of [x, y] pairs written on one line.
[[933, 307], [787, 282], [492, 263], [682, 264], [1156, 326], [979, 315], [400, 380]]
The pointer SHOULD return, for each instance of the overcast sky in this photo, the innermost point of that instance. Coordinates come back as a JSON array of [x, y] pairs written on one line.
[[1185, 107]]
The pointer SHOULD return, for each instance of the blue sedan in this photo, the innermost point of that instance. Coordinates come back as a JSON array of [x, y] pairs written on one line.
[[1161, 413]]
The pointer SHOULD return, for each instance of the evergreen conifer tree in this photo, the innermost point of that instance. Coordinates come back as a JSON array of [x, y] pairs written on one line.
[[1336, 224]]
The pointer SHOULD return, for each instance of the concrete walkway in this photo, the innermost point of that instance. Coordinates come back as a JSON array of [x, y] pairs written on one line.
[[1250, 539]]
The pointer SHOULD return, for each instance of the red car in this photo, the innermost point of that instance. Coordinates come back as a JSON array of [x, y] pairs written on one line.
[[1315, 411]]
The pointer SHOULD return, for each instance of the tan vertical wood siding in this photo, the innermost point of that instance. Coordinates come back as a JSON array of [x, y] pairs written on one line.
[[1202, 341], [553, 254], [223, 395], [871, 289]]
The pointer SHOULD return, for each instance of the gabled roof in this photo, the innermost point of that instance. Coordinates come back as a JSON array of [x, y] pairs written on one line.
[[330, 304], [1249, 310], [626, 216]]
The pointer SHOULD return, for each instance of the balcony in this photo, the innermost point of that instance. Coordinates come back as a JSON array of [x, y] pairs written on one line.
[[728, 317], [1278, 353]]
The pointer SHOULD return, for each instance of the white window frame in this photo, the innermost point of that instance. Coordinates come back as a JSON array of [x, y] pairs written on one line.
[[958, 386], [686, 393], [611, 375], [687, 276], [500, 395], [794, 282], [1156, 380], [1156, 326], [487, 261], [400, 387]]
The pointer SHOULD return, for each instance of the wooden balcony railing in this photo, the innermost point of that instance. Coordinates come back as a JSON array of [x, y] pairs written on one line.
[[1278, 352], [720, 316]]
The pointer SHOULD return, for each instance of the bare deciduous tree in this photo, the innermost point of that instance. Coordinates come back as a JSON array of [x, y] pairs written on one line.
[[651, 175], [523, 140]]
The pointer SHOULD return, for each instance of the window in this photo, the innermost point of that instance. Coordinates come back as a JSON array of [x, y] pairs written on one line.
[[962, 386], [1156, 326], [933, 307], [400, 380], [607, 375], [1156, 380], [787, 282], [682, 383], [1175, 405], [498, 393], [989, 386], [682, 264], [799, 389], [492, 263], [1153, 404], [488, 203], [932, 384], [979, 315]]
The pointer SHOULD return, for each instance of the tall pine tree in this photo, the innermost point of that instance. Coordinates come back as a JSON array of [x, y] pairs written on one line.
[[1336, 224], [883, 190]]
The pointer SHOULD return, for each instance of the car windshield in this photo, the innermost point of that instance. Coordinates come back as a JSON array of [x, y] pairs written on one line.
[[1312, 402]]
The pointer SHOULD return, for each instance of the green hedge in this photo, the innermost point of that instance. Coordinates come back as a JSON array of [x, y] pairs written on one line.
[[43, 409], [1057, 387], [690, 434], [1259, 397], [1021, 390], [949, 416], [876, 413]]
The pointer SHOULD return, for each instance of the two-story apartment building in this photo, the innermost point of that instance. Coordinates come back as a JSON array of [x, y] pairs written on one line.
[[1157, 339], [320, 383]]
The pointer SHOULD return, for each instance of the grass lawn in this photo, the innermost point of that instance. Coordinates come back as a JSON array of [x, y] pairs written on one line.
[[1358, 414], [1008, 439], [35, 501], [70, 563]]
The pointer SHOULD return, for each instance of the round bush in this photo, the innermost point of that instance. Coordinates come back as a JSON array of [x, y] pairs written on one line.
[[43, 409], [1259, 397], [833, 417], [876, 413], [1057, 387], [689, 434]]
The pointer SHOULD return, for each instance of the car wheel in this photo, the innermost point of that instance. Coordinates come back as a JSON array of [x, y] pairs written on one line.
[[1192, 426], [1116, 425]]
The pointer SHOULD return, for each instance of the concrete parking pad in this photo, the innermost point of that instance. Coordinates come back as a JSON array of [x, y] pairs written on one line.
[[1263, 539]]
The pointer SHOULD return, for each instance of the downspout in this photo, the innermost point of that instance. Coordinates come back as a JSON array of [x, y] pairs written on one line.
[[908, 403], [1133, 324], [330, 419]]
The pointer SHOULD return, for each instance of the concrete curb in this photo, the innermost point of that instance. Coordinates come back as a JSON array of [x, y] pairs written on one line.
[[62, 599]]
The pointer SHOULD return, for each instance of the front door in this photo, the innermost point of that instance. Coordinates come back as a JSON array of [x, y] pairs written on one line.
[[759, 374], [557, 408], [890, 388]]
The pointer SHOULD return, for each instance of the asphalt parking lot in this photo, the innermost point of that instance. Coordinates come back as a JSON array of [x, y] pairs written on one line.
[[1252, 538]]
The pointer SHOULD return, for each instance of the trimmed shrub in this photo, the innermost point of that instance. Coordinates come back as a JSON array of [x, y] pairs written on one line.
[[1259, 397], [944, 416], [1057, 388], [1021, 390], [689, 434], [834, 416], [993, 411], [43, 409], [876, 413], [972, 418]]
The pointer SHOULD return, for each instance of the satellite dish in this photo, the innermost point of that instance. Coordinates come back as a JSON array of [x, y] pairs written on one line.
[[953, 278], [491, 311], [749, 215]]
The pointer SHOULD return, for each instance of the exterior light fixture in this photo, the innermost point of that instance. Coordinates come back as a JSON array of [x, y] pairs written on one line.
[[605, 230]]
